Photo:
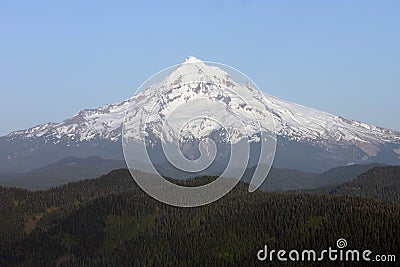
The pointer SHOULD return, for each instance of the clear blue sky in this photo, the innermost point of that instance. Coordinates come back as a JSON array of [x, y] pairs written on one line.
[[338, 56]]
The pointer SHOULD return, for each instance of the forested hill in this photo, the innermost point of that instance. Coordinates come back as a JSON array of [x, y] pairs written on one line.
[[377, 183], [110, 221]]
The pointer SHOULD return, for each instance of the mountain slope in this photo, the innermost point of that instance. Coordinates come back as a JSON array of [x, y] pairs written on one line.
[[70, 169], [377, 183], [287, 179], [308, 139]]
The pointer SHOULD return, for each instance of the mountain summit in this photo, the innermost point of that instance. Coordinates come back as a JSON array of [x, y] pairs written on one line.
[[176, 101], [192, 59], [308, 139]]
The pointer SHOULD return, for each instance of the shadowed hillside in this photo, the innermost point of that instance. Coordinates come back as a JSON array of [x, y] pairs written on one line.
[[377, 183]]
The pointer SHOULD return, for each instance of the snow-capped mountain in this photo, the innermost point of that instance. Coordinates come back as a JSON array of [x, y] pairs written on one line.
[[308, 139], [197, 90]]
